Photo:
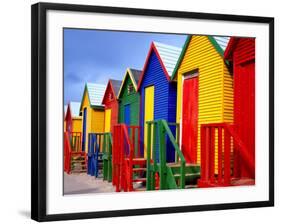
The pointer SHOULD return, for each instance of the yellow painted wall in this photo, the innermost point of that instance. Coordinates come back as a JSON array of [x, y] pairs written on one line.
[[107, 120], [97, 120], [148, 113], [215, 84], [77, 124]]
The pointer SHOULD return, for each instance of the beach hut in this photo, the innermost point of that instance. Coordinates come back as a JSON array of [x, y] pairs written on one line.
[[157, 91], [73, 120], [241, 53], [92, 111], [129, 98], [204, 90], [110, 103]]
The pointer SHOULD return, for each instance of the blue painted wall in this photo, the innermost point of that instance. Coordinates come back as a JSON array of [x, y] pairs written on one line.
[[164, 98]]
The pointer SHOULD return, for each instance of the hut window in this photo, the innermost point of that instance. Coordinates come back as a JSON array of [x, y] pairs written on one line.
[[130, 88]]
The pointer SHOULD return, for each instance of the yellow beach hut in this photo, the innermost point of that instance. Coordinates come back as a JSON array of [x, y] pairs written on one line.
[[92, 111], [204, 90]]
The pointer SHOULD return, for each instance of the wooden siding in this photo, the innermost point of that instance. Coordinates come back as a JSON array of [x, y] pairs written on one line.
[[164, 96], [215, 84], [111, 103], [126, 98], [77, 124], [95, 119]]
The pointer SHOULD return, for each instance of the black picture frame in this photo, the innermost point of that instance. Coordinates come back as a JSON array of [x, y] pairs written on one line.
[[38, 110]]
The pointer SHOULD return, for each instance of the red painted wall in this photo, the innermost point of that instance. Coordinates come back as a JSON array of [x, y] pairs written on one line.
[[68, 120], [244, 101], [111, 104]]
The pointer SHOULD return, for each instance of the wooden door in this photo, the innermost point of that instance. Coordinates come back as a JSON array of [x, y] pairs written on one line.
[[107, 120], [148, 112], [190, 118], [127, 115]]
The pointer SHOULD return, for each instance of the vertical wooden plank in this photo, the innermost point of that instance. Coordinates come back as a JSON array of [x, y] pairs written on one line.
[[219, 155], [212, 154], [148, 166], [203, 155], [226, 158]]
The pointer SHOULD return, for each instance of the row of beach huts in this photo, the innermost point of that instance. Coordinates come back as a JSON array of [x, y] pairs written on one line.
[[186, 120]]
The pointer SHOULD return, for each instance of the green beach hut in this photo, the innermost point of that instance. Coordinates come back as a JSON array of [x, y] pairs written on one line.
[[129, 98]]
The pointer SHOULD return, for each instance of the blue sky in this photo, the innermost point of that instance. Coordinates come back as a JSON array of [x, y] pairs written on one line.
[[95, 56]]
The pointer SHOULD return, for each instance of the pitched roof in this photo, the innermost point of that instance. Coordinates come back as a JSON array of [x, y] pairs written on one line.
[[134, 75], [222, 41], [115, 85], [168, 56], [95, 92], [74, 108], [218, 42], [64, 109], [229, 49]]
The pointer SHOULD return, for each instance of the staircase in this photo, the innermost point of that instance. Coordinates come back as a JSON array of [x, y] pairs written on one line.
[[78, 164], [172, 175], [75, 160], [229, 148], [100, 156], [129, 166]]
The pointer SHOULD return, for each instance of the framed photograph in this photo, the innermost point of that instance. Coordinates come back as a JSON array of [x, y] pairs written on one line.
[[139, 111]]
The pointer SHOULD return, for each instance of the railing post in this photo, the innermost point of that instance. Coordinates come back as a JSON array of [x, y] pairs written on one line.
[[162, 153], [212, 154], [148, 153], [219, 155]]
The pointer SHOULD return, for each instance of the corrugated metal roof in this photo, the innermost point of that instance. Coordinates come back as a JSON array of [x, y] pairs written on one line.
[[115, 85], [75, 109], [96, 92], [169, 55], [222, 41], [136, 74]]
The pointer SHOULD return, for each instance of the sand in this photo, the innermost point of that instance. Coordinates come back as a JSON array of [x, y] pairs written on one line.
[[81, 183]]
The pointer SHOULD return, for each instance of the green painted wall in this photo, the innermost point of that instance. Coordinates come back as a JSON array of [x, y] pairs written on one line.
[[133, 99]]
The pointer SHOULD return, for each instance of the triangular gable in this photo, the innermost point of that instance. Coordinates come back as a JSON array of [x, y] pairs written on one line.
[[167, 56], [112, 86], [129, 74], [95, 94], [212, 40]]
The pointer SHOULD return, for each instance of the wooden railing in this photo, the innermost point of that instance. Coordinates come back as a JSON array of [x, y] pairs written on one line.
[[67, 153], [217, 143], [100, 148], [72, 147], [161, 130], [126, 147]]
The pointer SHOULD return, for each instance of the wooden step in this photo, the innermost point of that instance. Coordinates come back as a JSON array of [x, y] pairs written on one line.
[[139, 169], [179, 164], [78, 161], [139, 180], [78, 171]]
